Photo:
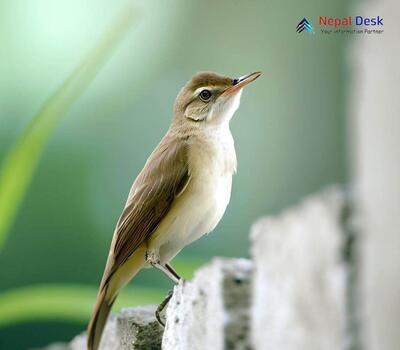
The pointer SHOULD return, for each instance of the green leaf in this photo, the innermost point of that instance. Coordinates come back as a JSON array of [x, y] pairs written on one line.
[[19, 165], [70, 303]]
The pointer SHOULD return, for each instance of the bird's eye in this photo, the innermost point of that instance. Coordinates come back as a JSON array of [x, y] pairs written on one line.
[[205, 95]]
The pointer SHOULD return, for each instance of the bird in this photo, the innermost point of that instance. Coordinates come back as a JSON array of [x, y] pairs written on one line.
[[181, 193]]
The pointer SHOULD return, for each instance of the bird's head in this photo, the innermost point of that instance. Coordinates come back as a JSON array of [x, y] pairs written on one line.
[[210, 98]]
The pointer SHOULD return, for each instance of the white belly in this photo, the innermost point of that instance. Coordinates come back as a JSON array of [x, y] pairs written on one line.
[[201, 206]]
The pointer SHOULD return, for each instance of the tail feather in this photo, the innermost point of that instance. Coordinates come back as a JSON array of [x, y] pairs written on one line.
[[101, 311], [108, 292]]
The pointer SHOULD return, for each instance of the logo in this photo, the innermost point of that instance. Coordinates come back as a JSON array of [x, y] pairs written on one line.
[[343, 25], [351, 25], [305, 25], [350, 20]]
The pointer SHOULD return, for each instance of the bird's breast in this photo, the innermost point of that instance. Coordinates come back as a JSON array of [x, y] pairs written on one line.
[[201, 206], [212, 163]]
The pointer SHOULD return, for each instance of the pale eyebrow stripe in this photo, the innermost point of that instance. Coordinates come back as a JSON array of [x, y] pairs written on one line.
[[197, 91]]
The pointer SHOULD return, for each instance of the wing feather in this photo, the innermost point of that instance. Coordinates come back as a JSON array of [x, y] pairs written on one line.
[[164, 177]]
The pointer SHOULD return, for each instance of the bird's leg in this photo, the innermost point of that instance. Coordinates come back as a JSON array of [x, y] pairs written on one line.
[[171, 273], [154, 259]]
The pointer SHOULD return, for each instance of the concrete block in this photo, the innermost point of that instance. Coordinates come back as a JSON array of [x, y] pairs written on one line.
[[130, 329], [138, 329], [299, 282], [211, 311]]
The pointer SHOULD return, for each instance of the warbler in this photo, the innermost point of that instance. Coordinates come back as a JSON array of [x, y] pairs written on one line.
[[181, 193]]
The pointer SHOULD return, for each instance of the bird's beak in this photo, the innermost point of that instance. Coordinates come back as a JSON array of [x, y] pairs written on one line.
[[240, 83]]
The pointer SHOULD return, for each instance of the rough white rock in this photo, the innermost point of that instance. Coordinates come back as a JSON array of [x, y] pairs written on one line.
[[108, 341], [138, 329], [299, 277], [211, 311], [56, 346], [375, 140], [130, 329]]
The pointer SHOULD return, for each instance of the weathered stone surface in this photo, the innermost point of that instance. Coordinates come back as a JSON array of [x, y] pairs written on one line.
[[57, 346], [375, 140], [108, 341], [211, 311], [138, 329], [299, 277], [130, 329], [296, 297]]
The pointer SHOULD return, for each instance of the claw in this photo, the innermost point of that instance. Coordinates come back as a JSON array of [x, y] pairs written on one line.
[[161, 307], [159, 320]]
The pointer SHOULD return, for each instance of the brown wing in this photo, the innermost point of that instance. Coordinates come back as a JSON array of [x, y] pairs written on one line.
[[163, 178]]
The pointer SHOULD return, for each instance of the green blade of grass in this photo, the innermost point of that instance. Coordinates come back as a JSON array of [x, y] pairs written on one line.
[[69, 303], [18, 167]]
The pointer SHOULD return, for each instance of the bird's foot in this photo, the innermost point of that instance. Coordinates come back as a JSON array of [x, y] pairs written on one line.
[[161, 307]]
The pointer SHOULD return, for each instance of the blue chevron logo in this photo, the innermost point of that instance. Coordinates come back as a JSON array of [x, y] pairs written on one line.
[[305, 26]]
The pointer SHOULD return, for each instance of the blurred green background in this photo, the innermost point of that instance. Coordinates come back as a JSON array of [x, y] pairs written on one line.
[[289, 134]]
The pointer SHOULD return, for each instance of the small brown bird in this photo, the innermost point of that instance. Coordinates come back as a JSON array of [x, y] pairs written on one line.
[[181, 193]]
